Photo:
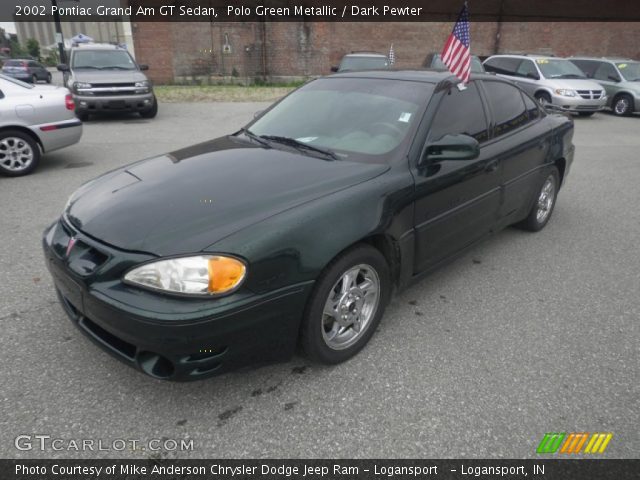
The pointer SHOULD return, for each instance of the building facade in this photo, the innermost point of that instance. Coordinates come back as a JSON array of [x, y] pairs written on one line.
[[202, 51]]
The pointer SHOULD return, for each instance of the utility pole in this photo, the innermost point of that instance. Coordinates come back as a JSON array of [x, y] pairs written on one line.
[[59, 37]]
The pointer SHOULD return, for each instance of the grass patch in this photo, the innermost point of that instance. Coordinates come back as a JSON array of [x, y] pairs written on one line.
[[220, 93]]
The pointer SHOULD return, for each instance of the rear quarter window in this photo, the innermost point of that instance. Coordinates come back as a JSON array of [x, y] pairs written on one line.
[[507, 104], [502, 65]]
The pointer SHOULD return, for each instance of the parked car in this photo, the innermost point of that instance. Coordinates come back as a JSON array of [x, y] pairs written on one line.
[[106, 78], [298, 226], [26, 70], [33, 120], [551, 80], [434, 61], [620, 77], [359, 61]]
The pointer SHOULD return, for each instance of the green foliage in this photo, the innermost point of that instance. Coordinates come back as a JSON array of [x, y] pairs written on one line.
[[16, 49], [33, 48]]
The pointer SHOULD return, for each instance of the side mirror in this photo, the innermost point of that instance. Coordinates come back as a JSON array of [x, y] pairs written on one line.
[[63, 67], [143, 67], [334, 68], [613, 78], [452, 147]]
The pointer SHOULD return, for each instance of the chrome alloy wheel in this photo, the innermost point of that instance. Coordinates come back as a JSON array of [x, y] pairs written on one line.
[[15, 154], [621, 106], [546, 199], [351, 306]]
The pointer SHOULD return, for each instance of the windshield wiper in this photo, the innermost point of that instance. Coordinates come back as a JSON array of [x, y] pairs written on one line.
[[299, 145], [255, 137], [88, 66], [571, 75], [117, 67]]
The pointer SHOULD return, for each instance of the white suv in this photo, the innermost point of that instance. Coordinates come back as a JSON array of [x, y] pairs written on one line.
[[551, 80]]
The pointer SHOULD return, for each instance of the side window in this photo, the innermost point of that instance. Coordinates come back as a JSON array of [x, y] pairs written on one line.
[[606, 72], [508, 107], [528, 69], [533, 110], [503, 65], [460, 112], [588, 67]]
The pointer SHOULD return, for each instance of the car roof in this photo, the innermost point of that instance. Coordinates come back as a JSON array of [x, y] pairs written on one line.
[[365, 54], [425, 75], [531, 57], [604, 59], [96, 46]]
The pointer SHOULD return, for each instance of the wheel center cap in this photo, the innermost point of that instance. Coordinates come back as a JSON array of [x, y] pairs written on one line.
[[350, 306]]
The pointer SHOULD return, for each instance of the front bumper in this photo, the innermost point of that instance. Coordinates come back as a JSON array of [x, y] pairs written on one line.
[[164, 336], [115, 103], [578, 104]]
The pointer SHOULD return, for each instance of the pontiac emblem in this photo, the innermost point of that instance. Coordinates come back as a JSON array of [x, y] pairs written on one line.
[[72, 242]]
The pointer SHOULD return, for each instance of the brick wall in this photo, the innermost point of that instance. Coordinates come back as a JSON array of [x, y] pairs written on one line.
[[182, 50]]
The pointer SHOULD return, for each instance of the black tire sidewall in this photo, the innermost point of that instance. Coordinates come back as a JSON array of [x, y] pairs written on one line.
[[153, 111], [34, 146], [629, 105], [312, 340], [533, 220]]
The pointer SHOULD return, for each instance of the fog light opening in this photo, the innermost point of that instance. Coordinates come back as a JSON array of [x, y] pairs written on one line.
[[155, 365]]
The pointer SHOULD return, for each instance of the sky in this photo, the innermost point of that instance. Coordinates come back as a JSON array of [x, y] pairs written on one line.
[[9, 27]]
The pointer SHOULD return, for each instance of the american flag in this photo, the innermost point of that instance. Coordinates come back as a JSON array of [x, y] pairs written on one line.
[[392, 56], [456, 53]]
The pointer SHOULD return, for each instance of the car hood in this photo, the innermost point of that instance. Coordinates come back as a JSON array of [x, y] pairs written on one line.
[[108, 76], [575, 84], [186, 200], [633, 85]]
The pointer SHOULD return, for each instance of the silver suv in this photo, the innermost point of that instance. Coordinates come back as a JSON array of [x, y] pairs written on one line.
[[551, 80], [106, 78], [620, 77]]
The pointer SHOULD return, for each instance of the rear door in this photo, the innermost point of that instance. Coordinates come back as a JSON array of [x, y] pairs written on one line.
[[521, 140], [456, 201]]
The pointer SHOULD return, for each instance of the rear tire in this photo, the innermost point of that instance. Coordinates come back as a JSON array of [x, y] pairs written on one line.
[[622, 105], [544, 203], [34, 79], [19, 153], [346, 305], [49, 78]]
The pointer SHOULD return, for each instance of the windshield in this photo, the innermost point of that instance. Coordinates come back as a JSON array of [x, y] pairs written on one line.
[[16, 81], [629, 70], [363, 63], [476, 64], [359, 119], [558, 68], [103, 60]]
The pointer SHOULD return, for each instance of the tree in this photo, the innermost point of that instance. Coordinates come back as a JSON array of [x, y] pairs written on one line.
[[16, 49], [33, 47]]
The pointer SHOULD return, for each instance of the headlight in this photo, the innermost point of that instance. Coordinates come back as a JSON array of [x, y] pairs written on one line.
[[198, 275], [566, 92], [144, 83], [78, 85]]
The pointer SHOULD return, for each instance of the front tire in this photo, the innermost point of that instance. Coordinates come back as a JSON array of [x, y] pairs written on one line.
[[82, 116], [623, 105], [543, 98], [49, 78], [152, 112], [346, 305], [19, 153], [544, 203]]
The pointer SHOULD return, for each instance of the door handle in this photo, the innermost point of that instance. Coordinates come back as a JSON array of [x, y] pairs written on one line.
[[491, 166]]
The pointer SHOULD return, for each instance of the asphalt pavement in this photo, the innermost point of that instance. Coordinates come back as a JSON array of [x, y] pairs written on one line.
[[525, 334]]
